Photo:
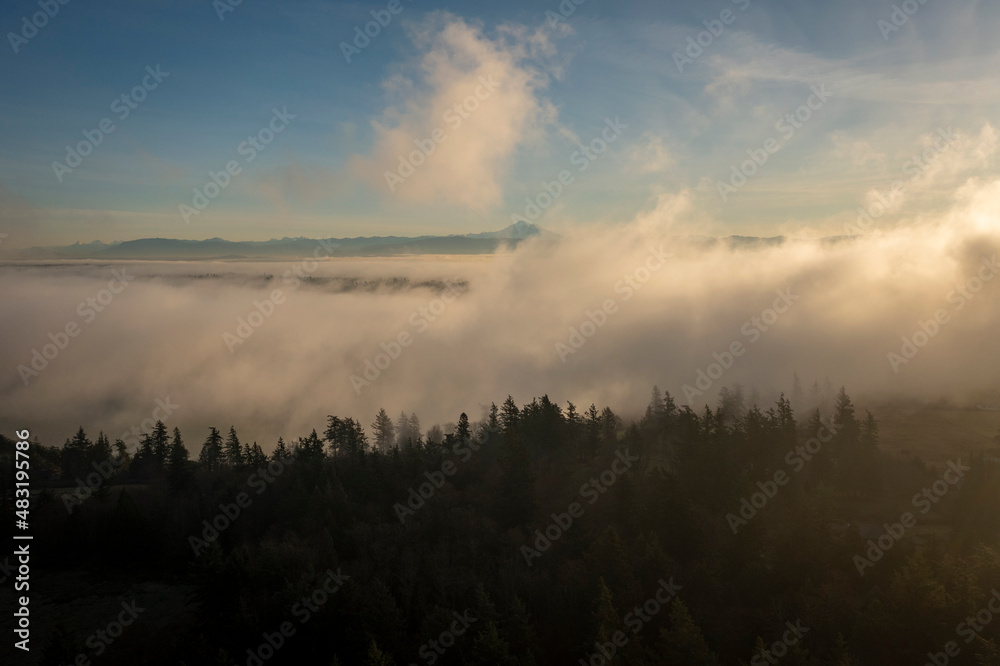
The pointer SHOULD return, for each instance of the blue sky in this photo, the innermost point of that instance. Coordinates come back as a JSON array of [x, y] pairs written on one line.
[[559, 81]]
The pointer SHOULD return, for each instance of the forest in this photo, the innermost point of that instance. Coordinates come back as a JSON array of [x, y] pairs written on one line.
[[537, 534]]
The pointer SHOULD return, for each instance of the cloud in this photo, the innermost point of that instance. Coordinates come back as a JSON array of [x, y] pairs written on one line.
[[461, 116]]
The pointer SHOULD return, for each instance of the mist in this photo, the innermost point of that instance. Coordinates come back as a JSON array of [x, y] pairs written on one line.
[[649, 304]]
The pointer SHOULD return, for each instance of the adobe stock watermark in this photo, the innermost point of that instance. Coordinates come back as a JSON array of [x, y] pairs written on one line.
[[697, 44], [454, 117], [591, 491], [101, 640], [432, 650], [223, 7], [787, 126], [88, 310], [627, 286], [754, 328], [581, 159], [303, 611], [796, 458], [254, 145], [372, 29], [566, 9], [420, 320], [898, 17], [959, 297], [123, 106], [913, 167], [967, 629], [418, 496], [924, 500], [635, 620], [779, 648], [38, 20]]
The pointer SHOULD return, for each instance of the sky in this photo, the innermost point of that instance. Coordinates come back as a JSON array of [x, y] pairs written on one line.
[[625, 102]]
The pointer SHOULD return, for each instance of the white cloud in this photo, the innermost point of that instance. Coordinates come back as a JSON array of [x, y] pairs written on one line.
[[481, 95]]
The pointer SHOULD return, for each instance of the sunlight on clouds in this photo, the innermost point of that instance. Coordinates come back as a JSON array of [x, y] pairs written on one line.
[[459, 156]]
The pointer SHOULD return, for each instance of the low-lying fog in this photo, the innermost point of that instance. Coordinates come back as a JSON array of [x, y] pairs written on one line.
[[172, 332]]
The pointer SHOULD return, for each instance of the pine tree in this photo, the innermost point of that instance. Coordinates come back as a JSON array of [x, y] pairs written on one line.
[[607, 621], [611, 425], [161, 444], [144, 463], [334, 433], [281, 451], [356, 441], [101, 451], [376, 657], [310, 448], [462, 432], [234, 450], [574, 429], [383, 431], [493, 421], [869, 432], [592, 430], [177, 462], [509, 417], [683, 643], [654, 410], [76, 454], [414, 426], [490, 649], [211, 451]]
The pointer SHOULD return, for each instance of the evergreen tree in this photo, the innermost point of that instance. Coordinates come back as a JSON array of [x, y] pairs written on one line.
[[574, 429], [334, 433], [376, 657], [592, 431], [509, 417], [211, 455], [607, 620], [310, 448], [493, 421], [611, 425], [869, 432], [101, 451], [76, 455], [383, 431], [177, 462], [654, 410], [462, 431], [144, 464], [414, 429], [281, 451], [234, 450], [403, 435], [683, 643], [161, 445]]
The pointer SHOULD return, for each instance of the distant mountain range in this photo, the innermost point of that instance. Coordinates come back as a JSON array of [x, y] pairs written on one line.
[[166, 249], [289, 248]]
